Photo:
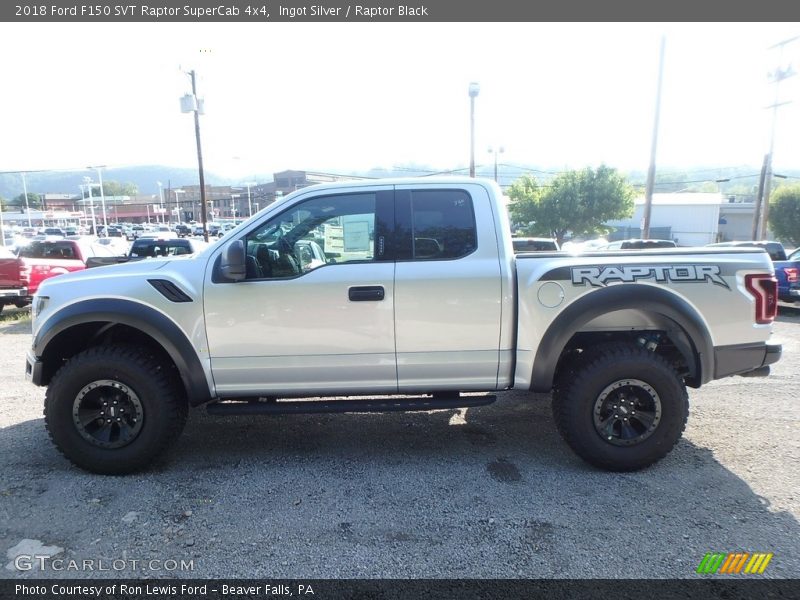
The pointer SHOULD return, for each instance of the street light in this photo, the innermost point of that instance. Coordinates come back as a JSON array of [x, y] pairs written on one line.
[[25, 191], [177, 203], [233, 204], [495, 151], [102, 196], [474, 89], [249, 199], [88, 182], [161, 200], [191, 103]]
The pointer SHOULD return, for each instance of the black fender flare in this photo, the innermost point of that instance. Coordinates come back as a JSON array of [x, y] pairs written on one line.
[[139, 316], [621, 297]]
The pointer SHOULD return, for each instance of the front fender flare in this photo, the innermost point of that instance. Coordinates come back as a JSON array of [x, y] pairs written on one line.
[[139, 316]]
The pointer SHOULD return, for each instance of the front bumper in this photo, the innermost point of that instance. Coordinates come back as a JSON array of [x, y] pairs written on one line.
[[14, 293], [34, 369], [745, 358]]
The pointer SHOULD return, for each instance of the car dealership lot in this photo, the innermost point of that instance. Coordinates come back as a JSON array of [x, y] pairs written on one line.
[[485, 492]]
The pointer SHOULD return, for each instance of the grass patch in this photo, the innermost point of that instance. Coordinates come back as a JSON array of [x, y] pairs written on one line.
[[15, 315]]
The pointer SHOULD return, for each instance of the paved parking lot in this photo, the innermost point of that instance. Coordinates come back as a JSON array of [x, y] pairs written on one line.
[[490, 492]]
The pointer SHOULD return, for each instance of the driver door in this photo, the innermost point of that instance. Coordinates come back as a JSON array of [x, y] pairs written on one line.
[[300, 327]]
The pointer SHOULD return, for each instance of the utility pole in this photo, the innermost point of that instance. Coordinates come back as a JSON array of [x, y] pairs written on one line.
[[777, 76], [651, 171], [757, 209]]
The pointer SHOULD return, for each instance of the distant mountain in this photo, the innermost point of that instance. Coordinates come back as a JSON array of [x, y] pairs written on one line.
[[144, 177]]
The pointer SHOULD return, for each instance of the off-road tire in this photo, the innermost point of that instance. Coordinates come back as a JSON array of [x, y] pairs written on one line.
[[579, 405], [152, 392]]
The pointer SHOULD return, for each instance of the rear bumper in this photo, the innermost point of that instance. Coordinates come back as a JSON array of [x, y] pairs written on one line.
[[34, 369], [744, 358]]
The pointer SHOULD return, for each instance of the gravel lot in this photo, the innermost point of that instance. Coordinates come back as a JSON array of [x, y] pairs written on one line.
[[490, 492]]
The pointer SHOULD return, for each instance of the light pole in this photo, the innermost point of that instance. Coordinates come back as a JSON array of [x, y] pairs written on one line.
[[88, 182], [25, 191], [191, 103], [178, 203], [249, 199], [102, 196], [474, 89], [233, 204], [495, 151], [161, 201]]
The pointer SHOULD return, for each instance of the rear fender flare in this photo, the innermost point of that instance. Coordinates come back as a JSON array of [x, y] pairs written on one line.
[[619, 297]]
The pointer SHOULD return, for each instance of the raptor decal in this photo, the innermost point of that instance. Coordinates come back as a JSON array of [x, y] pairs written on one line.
[[602, 276]]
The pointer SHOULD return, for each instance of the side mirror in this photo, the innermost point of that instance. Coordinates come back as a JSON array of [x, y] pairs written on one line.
[[232, 265]]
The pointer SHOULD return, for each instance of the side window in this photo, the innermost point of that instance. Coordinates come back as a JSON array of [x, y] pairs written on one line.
[[443, 224], [320, 231]]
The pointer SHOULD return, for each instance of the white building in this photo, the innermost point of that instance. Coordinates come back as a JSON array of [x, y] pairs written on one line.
[[691, 219]]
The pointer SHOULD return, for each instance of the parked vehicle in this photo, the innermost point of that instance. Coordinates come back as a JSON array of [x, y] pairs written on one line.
[[183, 230], [638, 244], [151, 247], [787, 269], [534, 244], [54, 232], [11, 291], [419, 294], [21, 275]]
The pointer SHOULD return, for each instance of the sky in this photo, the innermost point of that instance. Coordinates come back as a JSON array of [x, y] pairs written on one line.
[[342, 97]]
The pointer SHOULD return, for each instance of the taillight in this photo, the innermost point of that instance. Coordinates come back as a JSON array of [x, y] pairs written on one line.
[[764, 289], [24, 273], [792, 274]]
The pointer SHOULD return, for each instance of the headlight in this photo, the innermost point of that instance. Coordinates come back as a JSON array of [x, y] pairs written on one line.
[[39, 305]]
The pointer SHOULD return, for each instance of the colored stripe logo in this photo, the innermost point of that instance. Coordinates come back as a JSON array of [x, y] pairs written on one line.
[[734, 563]]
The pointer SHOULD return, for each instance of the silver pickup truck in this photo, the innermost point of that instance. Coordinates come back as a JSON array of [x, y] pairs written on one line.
[[394, 295]]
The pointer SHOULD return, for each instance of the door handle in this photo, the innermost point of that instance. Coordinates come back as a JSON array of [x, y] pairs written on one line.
[[366, 293]]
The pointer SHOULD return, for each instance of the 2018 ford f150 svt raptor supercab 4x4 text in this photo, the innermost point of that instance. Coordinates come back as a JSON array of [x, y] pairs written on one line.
[[414, 296]]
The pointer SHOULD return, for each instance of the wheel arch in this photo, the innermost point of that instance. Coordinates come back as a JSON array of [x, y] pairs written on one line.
[[91, 322], [688, 330]]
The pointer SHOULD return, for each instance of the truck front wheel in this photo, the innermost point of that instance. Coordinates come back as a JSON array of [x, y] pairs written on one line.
[[623, 409], [113, 409]]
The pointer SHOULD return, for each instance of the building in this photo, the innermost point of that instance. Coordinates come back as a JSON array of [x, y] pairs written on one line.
[[240, 201], [690, 219]]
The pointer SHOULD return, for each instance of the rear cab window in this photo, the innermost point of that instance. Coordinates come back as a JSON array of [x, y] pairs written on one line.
[[435, 225]]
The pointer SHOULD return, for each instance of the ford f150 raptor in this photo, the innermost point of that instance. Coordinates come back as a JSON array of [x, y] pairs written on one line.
[[416, 297]]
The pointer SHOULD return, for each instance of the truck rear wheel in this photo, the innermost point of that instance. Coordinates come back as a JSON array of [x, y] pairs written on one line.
[[113, 409], [623, 409]]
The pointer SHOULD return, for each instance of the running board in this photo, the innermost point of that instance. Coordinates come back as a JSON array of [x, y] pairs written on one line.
[[283, 407]]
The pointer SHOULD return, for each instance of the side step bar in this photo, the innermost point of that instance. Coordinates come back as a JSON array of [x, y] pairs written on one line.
[[283, 407]]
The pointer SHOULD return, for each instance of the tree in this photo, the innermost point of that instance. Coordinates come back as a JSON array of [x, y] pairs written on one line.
[[784, 214], [34, 201], [114, 188], [575, 201]]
